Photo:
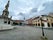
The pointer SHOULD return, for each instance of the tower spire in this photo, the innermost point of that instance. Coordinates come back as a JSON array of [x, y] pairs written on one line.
[[5, 11], [7, 5]]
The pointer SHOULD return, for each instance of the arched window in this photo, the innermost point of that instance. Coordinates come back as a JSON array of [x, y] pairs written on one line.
[[48, 25], [8, 22], [42, 24], [52, 24], [38, 24]]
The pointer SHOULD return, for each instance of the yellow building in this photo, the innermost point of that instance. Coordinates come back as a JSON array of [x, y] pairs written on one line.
[[43, 20]]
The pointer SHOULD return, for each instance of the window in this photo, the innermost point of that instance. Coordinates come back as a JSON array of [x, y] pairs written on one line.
[[8, 22], [5, 21], [38, 24], [48, 25], [42, 24], [52, 24]]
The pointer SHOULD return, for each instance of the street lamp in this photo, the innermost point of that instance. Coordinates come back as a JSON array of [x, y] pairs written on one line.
[[42, 26], [24, 20], [23, 17], [43, 35]]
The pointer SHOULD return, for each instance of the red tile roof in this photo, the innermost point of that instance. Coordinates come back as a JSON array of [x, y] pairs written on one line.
[[18, 20]]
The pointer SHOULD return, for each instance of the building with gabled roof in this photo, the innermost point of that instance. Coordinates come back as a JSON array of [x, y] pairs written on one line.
[[39, 21], [18, 22], [43, 20]]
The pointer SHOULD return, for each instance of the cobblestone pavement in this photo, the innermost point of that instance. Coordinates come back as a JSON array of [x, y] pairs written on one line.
[[25, 33]]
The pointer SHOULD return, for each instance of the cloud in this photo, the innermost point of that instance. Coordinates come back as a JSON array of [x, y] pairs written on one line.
[[41, 8], [29, 8], [34, 10], [48, 7]]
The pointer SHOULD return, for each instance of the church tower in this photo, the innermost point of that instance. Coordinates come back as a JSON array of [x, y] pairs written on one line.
[[5, 11]]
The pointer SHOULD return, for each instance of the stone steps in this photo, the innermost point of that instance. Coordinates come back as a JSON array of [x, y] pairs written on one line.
[[6, 27]]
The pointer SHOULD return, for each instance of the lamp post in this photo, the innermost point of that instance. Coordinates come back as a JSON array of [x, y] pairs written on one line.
[[42, 26], [23, 17], [43, 35], [24, 20]]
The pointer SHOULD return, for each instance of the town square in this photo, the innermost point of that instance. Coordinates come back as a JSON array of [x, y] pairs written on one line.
[[26, 20]]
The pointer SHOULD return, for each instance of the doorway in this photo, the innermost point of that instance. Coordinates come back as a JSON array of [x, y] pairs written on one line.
[[52, 24], [48, 24], [8, 22]]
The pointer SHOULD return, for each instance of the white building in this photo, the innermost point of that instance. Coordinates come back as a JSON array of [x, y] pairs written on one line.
[[5, 21]]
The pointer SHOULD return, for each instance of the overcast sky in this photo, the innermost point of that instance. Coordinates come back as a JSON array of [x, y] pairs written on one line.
[[19, 9]]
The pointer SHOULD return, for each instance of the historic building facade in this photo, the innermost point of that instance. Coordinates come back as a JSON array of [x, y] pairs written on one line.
[[29, 21], [4, 18], [17, 22], [43, 20], [39, 21]]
